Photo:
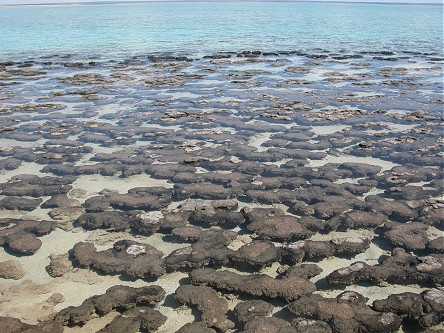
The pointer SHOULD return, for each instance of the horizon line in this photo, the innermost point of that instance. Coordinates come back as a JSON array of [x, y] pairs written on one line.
[[115, 2]]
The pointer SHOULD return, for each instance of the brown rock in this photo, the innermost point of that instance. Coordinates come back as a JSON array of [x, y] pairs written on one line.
[[11, 269], [59, 265], [24, 243]]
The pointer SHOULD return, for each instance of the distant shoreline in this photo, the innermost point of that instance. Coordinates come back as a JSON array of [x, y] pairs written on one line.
[[73, 3]]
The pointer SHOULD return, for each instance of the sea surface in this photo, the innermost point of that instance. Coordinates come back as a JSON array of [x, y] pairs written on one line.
[[199, 28]]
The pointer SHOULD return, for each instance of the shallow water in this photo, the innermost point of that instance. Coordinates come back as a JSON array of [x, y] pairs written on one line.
[[200, 28]]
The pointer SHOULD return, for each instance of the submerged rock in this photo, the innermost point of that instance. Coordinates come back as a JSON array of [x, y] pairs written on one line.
[[249, 310], [22, 243], [425, 309], [14, 325], [59, 265], [400, 268], [118, 298], [135, 320], [213, 308], [268, 324], [127, 258], [255, 255], [196, 327], [11, 269], [345, 313], [410, 236], [279, 228], [254, 284], [210, 249]]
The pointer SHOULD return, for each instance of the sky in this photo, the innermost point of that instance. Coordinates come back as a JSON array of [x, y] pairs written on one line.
[[7, 2]]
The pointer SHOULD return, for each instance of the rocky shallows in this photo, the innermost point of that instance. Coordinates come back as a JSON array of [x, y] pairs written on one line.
[[251, 191]]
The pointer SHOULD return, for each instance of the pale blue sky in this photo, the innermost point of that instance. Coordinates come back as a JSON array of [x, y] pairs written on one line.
[[5, 2]]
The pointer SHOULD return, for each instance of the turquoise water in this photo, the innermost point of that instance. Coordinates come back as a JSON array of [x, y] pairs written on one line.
[[213, 27]]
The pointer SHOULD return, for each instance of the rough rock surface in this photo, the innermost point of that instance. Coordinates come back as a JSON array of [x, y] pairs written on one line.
[[400, 268], [19, 235], [345, 313], [135, 320], [196, 327], [255, 284], [268, 325], [110, 219], [304, 271], [163, 221], [116, 298], [249, 310], [210, 248], [128, 258], [307, 250], [425, 309], [277, 228], [15, 203], [14, 325], [59, 265], [410, 236], [303, 325], [212, 307], [11, 269], [255, 255], [437, 245], [23, 243]]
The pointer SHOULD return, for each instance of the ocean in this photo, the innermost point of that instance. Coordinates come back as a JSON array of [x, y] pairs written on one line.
[[198, 28]]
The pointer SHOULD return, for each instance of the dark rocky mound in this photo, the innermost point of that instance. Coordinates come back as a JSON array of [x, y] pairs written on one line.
[[303, 325], [395, 210], [196, 327], [34, 186], [162, 221], [359, 219], [255, 255], [119, 298], [400, 268], [212, 307], [361, 169], [19, 236], [142, 198], [129, 258], [23, 243], [345, 313], [206, 191], [138, 198], [410, 236], [249, 310], [188, 233], [271, 224], [116, 220], [304, 271], [223, 219], [14, 325], [208, 207], [268, 325], [436, 245], [208, 213], [135, 320], [425, 309], [60, 201], [255, 284], [210, 248], [307, 250], [15, 203]]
